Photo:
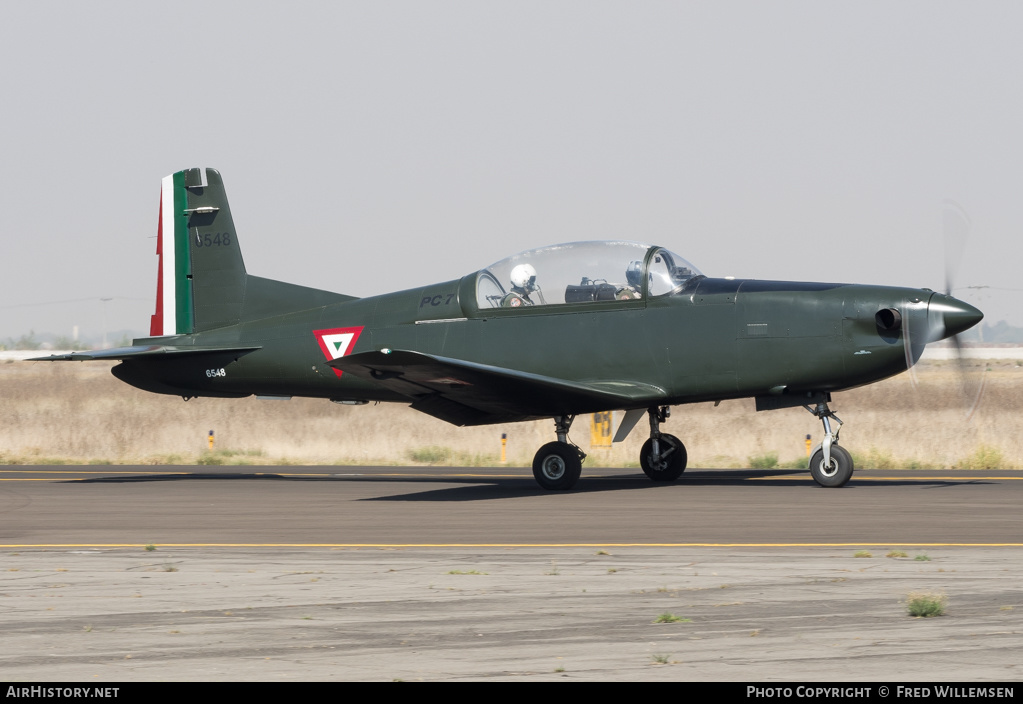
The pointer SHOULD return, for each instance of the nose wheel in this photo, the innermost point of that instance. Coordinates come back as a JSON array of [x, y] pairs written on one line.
[[834, 473], [831, 465]]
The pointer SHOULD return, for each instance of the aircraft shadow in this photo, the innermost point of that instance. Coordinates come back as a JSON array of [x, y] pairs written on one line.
[[483, 488], [489, 490]]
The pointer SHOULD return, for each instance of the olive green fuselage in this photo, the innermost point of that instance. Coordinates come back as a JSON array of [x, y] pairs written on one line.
[[718, 339]]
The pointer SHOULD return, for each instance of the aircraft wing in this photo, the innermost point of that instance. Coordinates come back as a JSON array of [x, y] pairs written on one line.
[[141, 351], [467, 393]]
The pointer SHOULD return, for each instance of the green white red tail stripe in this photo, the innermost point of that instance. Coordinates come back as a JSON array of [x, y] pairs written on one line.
[[174, 290]]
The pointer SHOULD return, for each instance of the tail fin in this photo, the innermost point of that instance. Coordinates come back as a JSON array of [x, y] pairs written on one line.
[[201, 280]]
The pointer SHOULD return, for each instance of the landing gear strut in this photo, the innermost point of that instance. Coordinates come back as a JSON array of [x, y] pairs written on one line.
[[831, 465], [663, 457], [557, 465]]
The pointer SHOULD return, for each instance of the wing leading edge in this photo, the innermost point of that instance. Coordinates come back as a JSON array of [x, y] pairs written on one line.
[[142, 352], [467, 393]]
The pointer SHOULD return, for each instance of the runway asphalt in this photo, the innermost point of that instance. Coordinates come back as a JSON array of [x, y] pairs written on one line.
[[319, 505], [355, 573]]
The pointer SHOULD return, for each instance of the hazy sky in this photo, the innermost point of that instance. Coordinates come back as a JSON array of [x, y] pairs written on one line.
[[373, 146]]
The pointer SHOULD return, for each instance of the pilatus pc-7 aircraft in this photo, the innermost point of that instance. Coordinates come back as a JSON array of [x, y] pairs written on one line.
[[549, 333]]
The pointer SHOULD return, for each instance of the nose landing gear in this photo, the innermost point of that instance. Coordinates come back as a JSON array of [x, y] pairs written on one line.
[[831, 465]]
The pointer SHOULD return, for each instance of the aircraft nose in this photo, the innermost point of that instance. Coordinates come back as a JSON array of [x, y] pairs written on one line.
[[950, 316]]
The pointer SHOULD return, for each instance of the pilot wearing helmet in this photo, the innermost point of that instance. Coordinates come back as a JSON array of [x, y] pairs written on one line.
[[633, 287], [523, 280]]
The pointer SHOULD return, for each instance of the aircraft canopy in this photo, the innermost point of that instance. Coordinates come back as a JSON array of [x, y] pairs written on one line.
[[582, 271]]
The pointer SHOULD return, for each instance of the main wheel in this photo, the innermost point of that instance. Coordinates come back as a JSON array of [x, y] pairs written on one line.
[[670, 465], [557, 466], [837, 473]]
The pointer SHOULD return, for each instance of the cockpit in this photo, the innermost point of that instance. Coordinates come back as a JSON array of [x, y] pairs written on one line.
[[583, 272]]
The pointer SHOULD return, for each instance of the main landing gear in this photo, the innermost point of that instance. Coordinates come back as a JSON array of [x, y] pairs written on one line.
[[663, 457], [557, 465], [831, 465]]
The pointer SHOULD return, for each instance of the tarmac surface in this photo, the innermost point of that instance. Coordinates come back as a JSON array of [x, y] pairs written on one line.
[[442, 574]]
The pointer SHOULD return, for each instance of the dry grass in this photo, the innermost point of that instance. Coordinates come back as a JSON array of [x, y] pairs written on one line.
[[926, 604], [63, 413]]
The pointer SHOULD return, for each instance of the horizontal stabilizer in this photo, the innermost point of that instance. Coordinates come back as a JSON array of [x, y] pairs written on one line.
[[467, 393], [141, 351]]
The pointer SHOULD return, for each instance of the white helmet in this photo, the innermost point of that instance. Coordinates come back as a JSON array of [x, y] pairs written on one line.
[[524, 276]]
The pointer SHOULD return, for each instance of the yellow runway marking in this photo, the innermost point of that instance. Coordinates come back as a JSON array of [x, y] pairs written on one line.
[[416, 475], [82, 471], [931, 479], [8, 546], [87, 471], [244, 475], [904, 478]]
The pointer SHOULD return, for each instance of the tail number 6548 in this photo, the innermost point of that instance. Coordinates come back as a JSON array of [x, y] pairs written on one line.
[[211, 239]]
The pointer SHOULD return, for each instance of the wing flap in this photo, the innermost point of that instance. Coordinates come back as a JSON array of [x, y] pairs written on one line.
[[468, 393]]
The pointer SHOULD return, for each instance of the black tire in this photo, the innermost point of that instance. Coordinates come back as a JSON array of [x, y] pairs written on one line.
[[557, 466], [840, 471], [669, 468]]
